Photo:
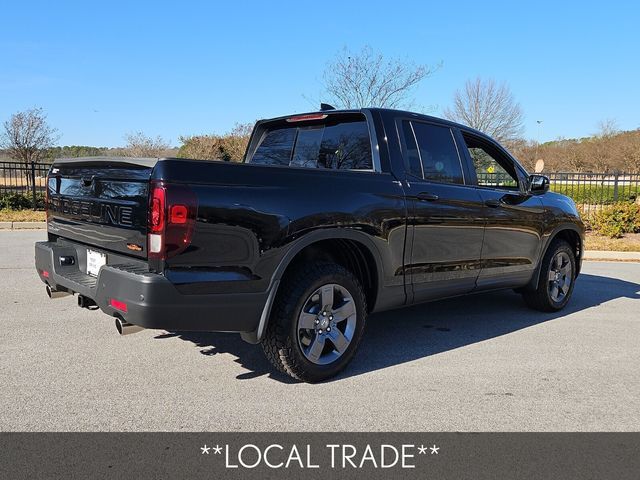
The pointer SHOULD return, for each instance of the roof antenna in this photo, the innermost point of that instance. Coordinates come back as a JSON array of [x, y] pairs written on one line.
[[326, 106]]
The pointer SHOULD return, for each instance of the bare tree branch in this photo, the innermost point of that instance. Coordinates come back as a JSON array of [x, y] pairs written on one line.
[[26, 136], [367, 79], [607, 128], [488, 107], [140, 145]]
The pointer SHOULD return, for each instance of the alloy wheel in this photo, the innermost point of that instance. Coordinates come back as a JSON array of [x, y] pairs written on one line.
[[326, 324], [560, 277]]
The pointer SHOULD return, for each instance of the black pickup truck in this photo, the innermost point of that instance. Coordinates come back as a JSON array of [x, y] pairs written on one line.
[[331, 216]]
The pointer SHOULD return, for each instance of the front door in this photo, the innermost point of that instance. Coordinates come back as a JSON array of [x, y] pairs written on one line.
[[514, 218]]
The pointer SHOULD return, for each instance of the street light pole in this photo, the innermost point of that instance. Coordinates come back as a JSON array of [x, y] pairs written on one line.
[[539, 122]]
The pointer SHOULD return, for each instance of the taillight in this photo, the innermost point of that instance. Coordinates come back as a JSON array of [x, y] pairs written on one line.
[[156, 217], [156, 220], [172, 215]]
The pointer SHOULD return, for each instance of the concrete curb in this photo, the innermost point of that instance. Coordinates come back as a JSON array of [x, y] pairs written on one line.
[[608, 256], [23, 225]]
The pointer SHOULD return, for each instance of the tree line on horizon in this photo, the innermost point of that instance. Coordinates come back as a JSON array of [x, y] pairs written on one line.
[[603, 152], [355, 80]]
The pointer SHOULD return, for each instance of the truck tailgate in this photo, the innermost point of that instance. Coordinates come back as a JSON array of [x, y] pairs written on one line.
[[101, 202]]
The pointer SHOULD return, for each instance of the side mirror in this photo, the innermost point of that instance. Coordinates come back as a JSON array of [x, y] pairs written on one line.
[[538, 184]]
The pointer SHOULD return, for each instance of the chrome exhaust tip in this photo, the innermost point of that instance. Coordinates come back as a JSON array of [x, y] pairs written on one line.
[[125, 328], [53, 293]]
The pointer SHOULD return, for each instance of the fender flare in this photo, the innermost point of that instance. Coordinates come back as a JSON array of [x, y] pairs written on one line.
[[294, 249], [533, 283]]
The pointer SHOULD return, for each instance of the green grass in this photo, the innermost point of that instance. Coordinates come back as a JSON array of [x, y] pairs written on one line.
[[597, 194]]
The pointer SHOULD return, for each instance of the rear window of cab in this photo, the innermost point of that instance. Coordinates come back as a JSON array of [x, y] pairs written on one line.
[[338, 142]]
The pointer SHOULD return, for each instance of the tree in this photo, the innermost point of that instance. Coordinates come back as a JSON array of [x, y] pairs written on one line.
[[74, 151], [607, 128], [229, 147], [607, 150], [234, 143], [488, 107], [367, 79], [200, 147], [576, 159], [601, 155], [140, 145], [524, 151], [27, 136], [629, 151]]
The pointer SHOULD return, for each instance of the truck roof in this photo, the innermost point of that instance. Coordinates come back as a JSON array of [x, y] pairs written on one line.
[[383, 111]]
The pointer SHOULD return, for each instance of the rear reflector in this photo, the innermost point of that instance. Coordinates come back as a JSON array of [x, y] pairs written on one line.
[[178, 214], [304, 118], [45, 274], [118, 305]]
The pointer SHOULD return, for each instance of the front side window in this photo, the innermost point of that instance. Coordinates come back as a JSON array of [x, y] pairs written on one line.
[[492, 168], [436, 157], [336, 145]]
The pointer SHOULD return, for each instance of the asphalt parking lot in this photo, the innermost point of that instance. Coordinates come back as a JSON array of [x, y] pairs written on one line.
[[484, 362]]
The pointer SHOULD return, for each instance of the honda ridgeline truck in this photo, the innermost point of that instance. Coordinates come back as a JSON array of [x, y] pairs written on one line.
[[331, 216]]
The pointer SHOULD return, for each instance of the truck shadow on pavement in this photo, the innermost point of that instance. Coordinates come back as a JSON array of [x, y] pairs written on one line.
[[399, 336]]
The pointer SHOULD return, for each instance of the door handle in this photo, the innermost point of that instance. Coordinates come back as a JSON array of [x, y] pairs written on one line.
[[426, 196], [493, 203]]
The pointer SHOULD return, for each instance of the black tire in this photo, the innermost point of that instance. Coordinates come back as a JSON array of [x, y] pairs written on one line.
[[282, 344], [542, 297]]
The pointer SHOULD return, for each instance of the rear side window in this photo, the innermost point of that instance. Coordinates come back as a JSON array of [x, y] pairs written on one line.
[[341, 145], [431, 152]]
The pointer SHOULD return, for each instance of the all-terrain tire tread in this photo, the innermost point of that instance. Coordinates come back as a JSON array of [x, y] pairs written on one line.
[[277, 343]]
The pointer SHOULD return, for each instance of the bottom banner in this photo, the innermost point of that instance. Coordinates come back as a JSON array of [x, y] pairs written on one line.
[[321, 455]]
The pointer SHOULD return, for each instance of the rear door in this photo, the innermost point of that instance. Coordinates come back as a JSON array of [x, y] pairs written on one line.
[[514, 218], [446, 221], [101, 202]]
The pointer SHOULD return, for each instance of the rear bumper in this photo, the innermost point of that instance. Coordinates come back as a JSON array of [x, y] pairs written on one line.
[[151, 300]]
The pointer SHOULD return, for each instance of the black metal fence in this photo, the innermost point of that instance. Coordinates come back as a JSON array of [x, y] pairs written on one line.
[[597, 188], [591, 191], [28, 180]]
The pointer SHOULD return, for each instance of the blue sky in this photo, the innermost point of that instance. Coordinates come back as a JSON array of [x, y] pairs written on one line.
[[103, 69]]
